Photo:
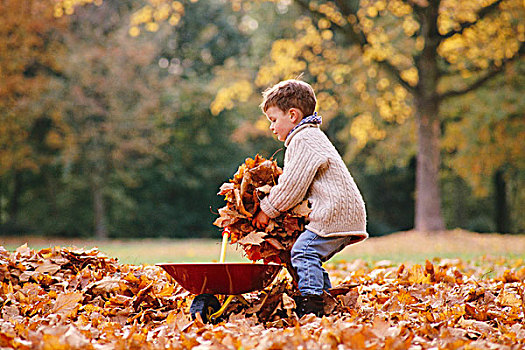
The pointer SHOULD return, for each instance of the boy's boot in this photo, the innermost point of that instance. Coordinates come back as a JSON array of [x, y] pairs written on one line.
[[309, 304]]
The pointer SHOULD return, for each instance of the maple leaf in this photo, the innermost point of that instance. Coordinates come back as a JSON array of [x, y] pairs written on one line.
[[264, 189], [253, 238], [227, 217], [226, 188], [508, 298], [106, 285], [48, 267], [275, 243], [302, 209], [417, 275], [66, 303]]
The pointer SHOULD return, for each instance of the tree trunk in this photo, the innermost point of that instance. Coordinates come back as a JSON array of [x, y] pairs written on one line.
[[2, 200], [502, 213], [99, 210], [14, 203], [51, 191], [428, 215]]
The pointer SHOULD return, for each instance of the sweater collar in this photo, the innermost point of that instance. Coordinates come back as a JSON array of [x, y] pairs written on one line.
[[311, 119], [297, 130]]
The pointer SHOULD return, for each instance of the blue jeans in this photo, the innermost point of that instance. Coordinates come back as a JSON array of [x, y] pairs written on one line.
[[308, 254]]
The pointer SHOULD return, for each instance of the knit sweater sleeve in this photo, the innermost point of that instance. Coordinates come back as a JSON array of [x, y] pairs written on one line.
[[298, 173]]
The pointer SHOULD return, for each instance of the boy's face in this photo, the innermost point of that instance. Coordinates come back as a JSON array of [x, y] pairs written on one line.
[[282, 122]]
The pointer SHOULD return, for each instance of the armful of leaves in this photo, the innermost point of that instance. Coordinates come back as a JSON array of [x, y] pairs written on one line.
[[250, 184]]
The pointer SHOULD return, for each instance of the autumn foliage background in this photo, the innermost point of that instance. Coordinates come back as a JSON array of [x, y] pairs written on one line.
[[121, 119], [114, 113]]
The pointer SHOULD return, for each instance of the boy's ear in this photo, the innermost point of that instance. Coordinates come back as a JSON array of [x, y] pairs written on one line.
[[296, 115]]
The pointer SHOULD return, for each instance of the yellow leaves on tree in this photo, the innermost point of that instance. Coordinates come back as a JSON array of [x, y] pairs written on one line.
[[154, 13], [226, 96], [485, 141], [149, 16], [363, 129], [466, 50], [67, 7], [491, 41], [340, 77]]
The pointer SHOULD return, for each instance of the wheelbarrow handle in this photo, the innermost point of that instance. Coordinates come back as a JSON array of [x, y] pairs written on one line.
[[225, 237]]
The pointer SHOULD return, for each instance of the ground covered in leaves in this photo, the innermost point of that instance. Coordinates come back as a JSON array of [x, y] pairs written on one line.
[[68, 298]]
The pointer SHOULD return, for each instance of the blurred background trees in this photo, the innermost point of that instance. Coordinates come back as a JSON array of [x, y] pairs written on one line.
[[31, 131], [122, 118], [395, 63]]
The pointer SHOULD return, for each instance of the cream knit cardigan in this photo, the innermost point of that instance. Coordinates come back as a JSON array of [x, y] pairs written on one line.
[[313, 169]]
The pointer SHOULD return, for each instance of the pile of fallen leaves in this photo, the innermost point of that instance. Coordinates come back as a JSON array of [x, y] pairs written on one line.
[[250, 184], [66, 298]]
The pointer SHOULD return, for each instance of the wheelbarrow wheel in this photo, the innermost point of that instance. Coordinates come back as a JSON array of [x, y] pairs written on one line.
[[205, 305]]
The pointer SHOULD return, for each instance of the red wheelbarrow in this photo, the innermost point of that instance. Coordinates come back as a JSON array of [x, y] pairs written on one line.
[[209, 279]]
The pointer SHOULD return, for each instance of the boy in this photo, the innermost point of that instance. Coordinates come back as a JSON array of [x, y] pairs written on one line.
[[313, 169]]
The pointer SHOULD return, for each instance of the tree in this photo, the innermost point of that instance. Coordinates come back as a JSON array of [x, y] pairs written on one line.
[[417, 55], [403, 58], [112, 103], [30, 131], [431, 50], [138, 113], [485, 144], [177, 194]]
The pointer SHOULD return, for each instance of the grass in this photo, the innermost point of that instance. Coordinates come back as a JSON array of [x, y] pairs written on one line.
[[136, 252], [410, 246]]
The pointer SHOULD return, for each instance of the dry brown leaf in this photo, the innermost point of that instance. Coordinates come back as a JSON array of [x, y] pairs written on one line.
[[48, 267], [253, 238], [67, 303], [264, 189], [302, 209], [106, 285], [509, 298], [275, 243]]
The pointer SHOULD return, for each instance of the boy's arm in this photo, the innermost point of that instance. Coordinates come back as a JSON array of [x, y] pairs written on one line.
[[298, 173]]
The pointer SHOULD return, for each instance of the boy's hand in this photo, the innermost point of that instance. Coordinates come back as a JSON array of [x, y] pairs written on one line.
[[261, 220]]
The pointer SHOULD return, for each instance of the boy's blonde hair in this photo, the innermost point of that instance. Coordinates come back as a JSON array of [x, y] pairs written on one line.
[[288, 94]]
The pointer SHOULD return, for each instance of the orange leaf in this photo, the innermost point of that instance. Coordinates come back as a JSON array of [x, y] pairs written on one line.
[[66, 303]]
